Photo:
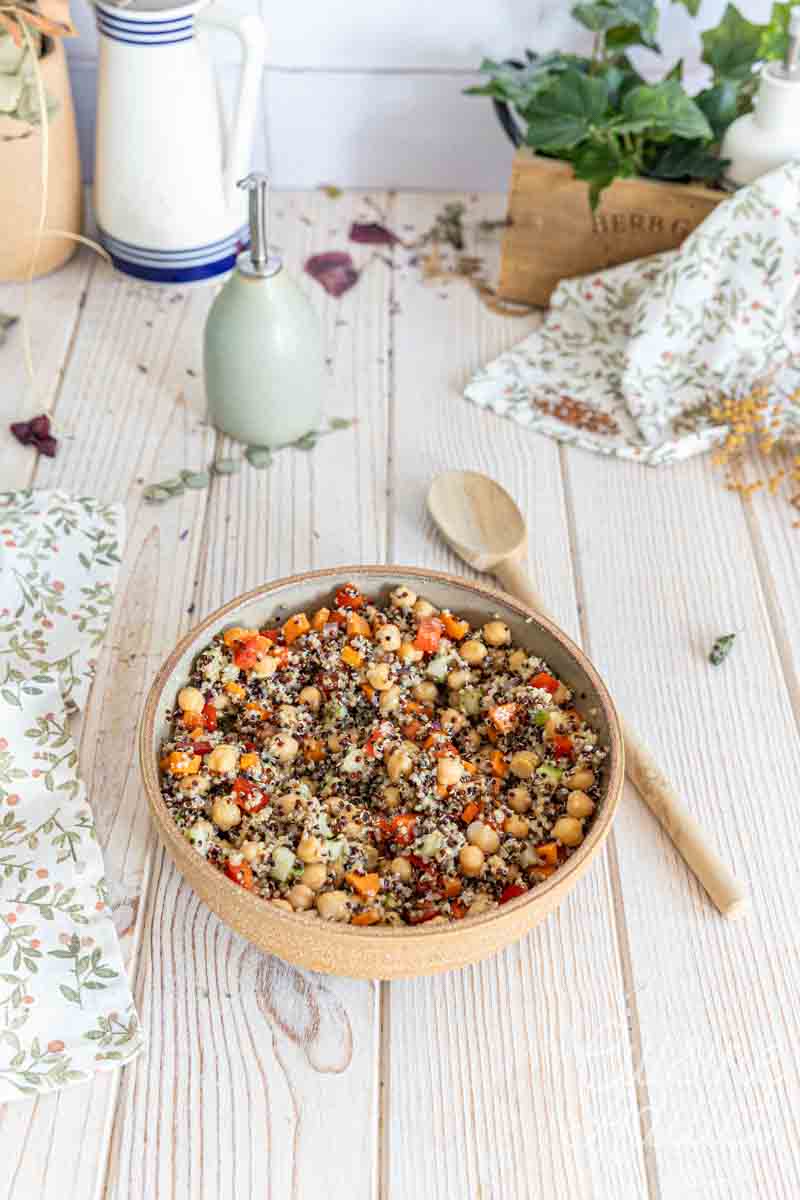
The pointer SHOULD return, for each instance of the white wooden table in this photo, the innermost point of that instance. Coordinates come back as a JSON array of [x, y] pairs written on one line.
[[635, 1045]]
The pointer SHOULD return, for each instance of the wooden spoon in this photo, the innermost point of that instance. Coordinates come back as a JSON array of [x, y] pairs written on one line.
[[482, 524]]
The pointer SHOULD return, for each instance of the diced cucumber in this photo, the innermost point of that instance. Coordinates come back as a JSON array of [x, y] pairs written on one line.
[[469, 701], [431, 844], [282, 862], [540, 717], [549, 772], [438, 667]]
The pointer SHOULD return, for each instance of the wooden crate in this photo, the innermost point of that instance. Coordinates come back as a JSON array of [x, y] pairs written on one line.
[[554, 235]]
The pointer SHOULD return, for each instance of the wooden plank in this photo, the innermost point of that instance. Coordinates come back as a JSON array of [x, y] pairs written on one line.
[[502, 1076], [260, 1072], [665, 567], [129, 413], [52, 312]]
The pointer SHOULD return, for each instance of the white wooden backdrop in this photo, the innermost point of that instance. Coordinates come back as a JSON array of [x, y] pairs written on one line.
[[634, 1047], [369, 94]]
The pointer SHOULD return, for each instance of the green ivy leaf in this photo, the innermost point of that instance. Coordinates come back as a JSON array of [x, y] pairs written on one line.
[[684, 160], [775, 34], [520, 85], [720, 105], [599, 163], [566, 111], [691, 6], [732, 48], [624, 22], [664, 111]]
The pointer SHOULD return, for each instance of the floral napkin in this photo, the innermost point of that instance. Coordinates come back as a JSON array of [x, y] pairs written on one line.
[[628, 361], [65, 1003]]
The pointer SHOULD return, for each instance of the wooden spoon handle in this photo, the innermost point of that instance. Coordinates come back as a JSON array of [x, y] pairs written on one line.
[[652, 784]]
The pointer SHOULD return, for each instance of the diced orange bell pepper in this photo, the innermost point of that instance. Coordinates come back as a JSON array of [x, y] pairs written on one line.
[[295, 627], [364, 885], [453, 626], [503, 717], [237, 634], [352, 657], [470, 812], [313, 750], [181, 762], [549, 852], [368, 917], [429, 634], [499, 764], [348, 596], [251, 650], [255, 710], [248, 761], [469, 767], [236, 690], [451, 886], [358, 626], [194, 720], [241, 873], [320, 618]]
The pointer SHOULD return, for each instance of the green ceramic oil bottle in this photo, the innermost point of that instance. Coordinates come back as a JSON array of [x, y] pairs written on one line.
[[263, 353]]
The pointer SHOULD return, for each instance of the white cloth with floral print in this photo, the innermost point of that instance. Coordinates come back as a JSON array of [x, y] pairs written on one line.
[[627, 361], [65, 1003]]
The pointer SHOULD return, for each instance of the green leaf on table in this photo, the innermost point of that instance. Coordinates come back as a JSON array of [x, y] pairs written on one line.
[[720, 105], [566, 110], [665, 111], [599, 163], [733, 47]]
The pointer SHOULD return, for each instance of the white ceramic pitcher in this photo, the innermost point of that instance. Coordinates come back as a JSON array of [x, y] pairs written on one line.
[[165, 195]]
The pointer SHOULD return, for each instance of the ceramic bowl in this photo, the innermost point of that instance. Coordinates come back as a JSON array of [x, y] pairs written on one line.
[[378, 952]]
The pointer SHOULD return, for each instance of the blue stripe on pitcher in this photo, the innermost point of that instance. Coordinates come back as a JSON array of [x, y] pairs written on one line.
[[175, 266], [165, 32]]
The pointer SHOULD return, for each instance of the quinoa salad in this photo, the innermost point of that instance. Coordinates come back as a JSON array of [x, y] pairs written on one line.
[[380, 763]]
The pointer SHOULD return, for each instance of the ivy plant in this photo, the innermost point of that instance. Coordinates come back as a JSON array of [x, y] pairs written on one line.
[[599, 114]]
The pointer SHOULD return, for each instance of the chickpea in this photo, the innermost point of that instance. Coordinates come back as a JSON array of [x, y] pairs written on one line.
[[390, 699], [284, 747], [401, 867], [456, 680], [580, 805], [309, 849], [250, 851], [483, 836], [387, 637], [481, 904], [336, 742], [314, 876], [311, 697], [496, 633], [403, 597], [471, 860], [353, 830], [300, 897], [197, 784], [473, 652], [423, 609], [191, 699], [579, 780], [288, 802], [398, 764], [223, 759], [378, 677], [265, 666], [516, 826], [519, 798], [288, 716], [449, 771], [224, 813], [472, 740], [561, 694], [568, 831], [517, 660], [426, 692], [408, 653], [523, 763], [371, 855], [332, 906], [554, 722], [451, 720], [283, 904], [391, 797]]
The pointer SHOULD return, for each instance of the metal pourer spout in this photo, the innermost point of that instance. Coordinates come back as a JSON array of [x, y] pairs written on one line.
[[257, 260]]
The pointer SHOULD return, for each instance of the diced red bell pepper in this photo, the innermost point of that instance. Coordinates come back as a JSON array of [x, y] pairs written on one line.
[[251, 651], [511, 891], [562, 746], [350, 597], [372, 746], [429, 634], [250, 798], [458, 910], [544, 681], [202, 747], [400, 829], [421, 916], [241, 873], [210, 717]]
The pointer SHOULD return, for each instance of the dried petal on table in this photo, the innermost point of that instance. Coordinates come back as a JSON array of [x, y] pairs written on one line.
[[36, 432], [334, 270], [370, 233]]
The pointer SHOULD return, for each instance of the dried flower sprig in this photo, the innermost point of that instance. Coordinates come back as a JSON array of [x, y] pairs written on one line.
[[721, 649]]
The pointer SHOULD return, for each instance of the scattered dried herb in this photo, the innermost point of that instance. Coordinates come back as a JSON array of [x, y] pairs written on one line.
[[448, 227], [6, 321], [331, 190], [195, 479], [259, 457], [721, 649], [334, 270], [370, 233], [36, 432], [226, 466]]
